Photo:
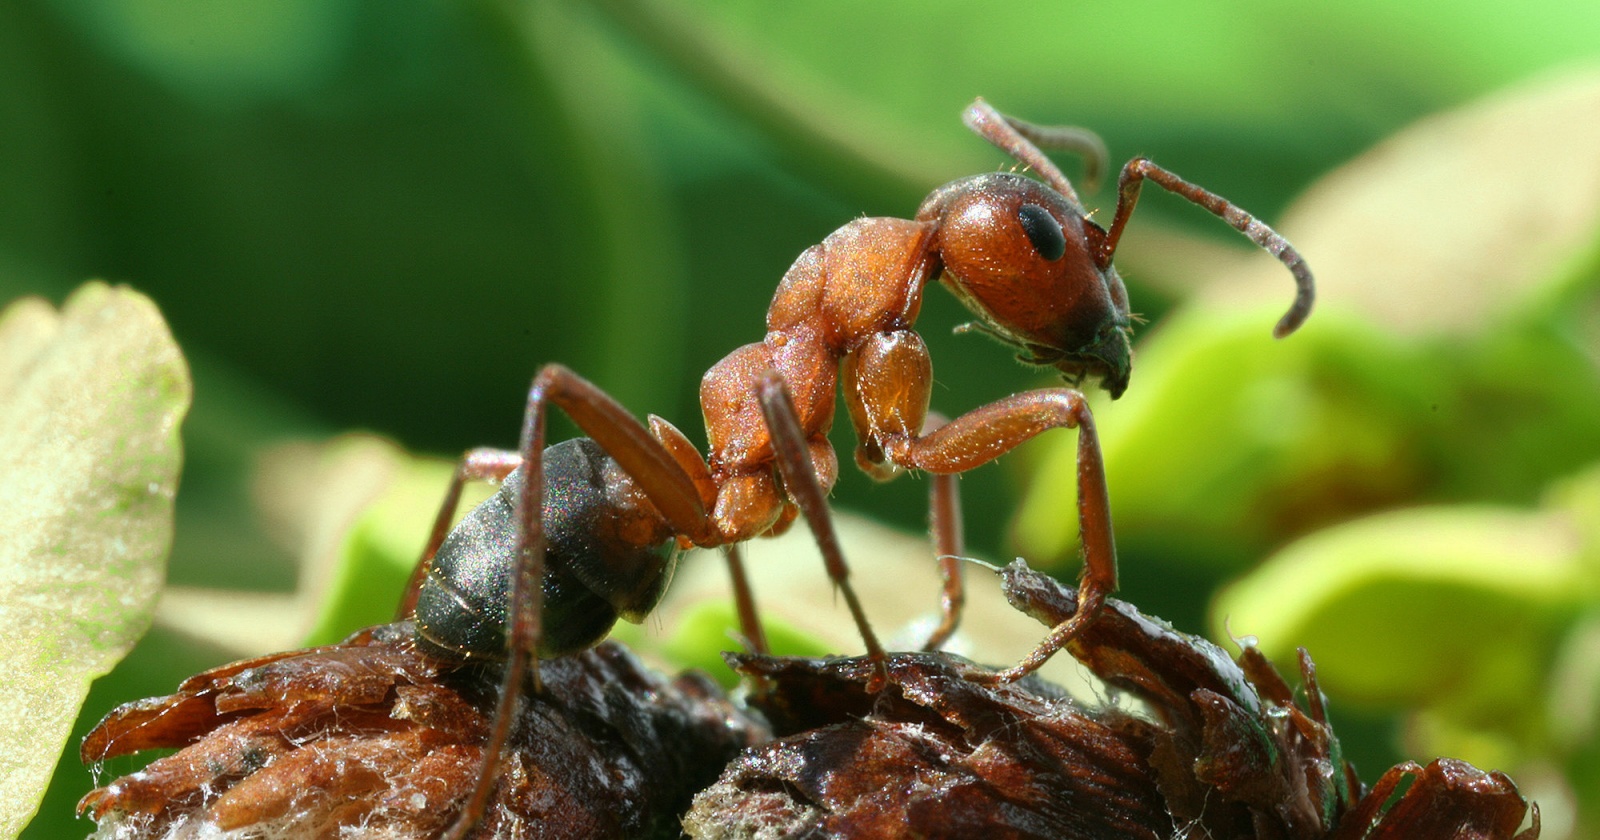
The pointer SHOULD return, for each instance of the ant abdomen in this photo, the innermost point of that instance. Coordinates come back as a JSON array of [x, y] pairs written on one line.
[[609, 555]]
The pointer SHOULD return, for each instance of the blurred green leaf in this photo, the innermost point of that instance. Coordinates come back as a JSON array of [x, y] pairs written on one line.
[[379, 528], [378, 183], [1573, 708], [702, 631], [1458, 605], [1482, 622], [282, 47], [1455, 226], [90, 404], [1579, 499], [880, 83], [1230, 438]]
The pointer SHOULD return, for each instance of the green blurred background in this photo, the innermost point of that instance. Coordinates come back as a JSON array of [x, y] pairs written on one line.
[[386, 215]]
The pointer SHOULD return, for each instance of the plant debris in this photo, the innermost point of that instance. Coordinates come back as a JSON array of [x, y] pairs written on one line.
[[1222, 750], [368, 736]]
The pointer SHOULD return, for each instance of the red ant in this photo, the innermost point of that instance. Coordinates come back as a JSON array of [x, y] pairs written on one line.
[[1021, 254]]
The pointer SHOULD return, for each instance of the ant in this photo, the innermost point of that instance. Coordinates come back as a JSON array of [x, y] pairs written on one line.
[[589, 530]]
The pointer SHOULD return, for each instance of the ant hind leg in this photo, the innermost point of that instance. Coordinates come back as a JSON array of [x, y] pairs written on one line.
[[644, 459], [482, 464], [525, 615]]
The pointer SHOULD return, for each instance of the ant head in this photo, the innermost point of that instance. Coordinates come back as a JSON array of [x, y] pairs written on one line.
[[1025, 259]]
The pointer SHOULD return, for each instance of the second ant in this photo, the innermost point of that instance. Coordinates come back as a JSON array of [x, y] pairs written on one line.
[[1021, 254]]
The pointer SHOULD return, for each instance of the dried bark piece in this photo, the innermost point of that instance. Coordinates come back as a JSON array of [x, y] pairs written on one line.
[[936, 754], [370, 734], [1224, 751], [1448, 798]]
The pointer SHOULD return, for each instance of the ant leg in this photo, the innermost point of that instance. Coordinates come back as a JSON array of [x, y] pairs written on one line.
[[886, 384], [986, 433], [744, 602], [644, 459], [801, 484], [944, 525], [692, 463], [476, 465], [1139, 169], [526, 613], [1364, 812], [944, 520]]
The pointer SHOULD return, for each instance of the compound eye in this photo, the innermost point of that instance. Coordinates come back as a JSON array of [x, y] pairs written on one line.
[[1043, 231]]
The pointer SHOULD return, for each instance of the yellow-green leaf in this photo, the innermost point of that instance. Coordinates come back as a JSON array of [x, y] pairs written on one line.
[[1451, 606], [90, 403]]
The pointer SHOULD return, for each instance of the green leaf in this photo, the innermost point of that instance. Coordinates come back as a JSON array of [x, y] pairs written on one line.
[[1229, 438], [282, 48], [90, 404], [703, 630], [1456, 225], [1458, 608], [882, 81], [391, 516]]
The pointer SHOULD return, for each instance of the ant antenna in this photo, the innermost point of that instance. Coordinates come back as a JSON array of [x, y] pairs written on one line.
[[1023, 141]]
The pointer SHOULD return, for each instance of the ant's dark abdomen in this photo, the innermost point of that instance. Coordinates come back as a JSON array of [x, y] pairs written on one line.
[[595, 568]]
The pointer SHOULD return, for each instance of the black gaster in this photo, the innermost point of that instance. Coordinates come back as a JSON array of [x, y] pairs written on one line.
[[591, 575]]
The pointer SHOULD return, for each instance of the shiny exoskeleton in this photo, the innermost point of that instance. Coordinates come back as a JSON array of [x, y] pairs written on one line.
[[608, 555], [1021, 254]]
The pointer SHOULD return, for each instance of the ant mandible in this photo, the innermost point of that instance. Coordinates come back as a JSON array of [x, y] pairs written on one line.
[[1021, 254]]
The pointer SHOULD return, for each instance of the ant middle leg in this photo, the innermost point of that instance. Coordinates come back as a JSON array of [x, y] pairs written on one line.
[[744, 601], [944, 526], [805, 490]]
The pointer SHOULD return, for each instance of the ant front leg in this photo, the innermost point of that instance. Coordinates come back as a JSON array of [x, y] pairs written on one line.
[[986, 433], [887, 384]]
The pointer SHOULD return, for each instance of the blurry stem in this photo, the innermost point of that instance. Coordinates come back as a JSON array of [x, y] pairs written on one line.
[[831, 145], [643, 331]]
